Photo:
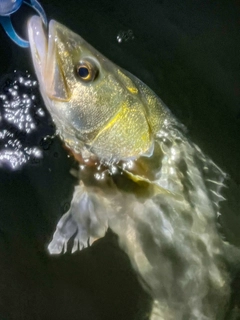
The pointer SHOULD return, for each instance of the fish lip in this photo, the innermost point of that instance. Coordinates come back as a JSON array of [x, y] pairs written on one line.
[[42, 45], [38, 45]]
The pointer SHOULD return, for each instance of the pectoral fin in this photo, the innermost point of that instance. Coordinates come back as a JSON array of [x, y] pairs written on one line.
[[86, 221]]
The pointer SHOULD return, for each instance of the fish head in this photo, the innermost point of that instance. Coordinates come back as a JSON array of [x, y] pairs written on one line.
[[96, 105]]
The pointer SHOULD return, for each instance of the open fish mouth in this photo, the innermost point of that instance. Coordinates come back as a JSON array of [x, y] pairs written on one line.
[[43, 44]]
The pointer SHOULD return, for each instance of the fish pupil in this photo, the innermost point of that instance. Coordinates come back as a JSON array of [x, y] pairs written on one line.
[[83, 72]]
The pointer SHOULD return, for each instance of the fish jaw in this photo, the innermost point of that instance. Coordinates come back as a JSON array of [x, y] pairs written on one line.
[[44, 55], [38, 46], [51, 83]]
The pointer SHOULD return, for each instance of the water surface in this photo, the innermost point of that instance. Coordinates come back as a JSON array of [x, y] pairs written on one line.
[[188, 53]]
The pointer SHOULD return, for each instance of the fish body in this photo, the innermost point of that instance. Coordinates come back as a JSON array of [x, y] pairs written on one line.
[[138, 175]]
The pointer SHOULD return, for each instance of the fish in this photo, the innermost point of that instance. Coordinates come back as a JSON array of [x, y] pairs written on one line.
[[139, 175]]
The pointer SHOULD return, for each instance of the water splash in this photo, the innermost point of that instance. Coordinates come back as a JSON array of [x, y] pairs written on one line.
[[20, 115], [16, 108]]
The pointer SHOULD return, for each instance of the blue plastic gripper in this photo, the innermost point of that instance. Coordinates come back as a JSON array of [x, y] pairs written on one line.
[[8, 7]]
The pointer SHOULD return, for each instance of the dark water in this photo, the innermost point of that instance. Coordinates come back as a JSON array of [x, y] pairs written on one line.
[[188, 52]]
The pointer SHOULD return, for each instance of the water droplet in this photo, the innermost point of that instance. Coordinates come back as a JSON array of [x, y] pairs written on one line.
[[40, 112], [46, 142], [18, 110], [125, 36]]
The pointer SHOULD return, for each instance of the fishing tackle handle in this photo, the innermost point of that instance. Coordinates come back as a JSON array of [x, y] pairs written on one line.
[[8, 7]]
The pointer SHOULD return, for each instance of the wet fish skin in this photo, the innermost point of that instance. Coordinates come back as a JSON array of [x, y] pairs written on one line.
[[114, 107], [139, 175]]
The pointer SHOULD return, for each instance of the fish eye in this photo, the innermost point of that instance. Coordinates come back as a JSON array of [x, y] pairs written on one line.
[[86, 70]]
